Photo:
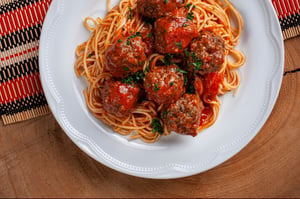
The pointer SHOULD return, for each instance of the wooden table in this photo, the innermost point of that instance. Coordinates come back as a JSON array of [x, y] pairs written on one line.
[[37, 159]]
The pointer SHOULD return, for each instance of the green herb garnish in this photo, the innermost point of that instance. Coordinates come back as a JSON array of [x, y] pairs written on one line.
[[129, 12], [156, 88], [190, 16], [164, 114], [165, 1], [90, 55], [187, 53], [185, 80], [171, 83], [147, 69], [187, 6], [127, 80], [197, 65], [137, 77], [167, 59], [126, 68], [149, 35], [190, 89], [157, 127], [179, 45], [182, 71]]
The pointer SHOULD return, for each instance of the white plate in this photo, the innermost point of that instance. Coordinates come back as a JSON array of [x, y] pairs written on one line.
[[240, 118]]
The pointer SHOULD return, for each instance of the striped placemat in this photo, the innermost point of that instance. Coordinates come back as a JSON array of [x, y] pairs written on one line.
[[288, 12], [21, 94]]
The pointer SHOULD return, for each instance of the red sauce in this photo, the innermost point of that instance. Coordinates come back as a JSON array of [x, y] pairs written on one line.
[[204, 115], [212, 83]]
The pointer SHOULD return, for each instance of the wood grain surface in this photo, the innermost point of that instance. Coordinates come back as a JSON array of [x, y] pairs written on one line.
[[37, 159]]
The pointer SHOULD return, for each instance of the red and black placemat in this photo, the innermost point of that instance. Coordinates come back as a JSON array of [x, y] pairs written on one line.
[[288, 12], [21, 94]]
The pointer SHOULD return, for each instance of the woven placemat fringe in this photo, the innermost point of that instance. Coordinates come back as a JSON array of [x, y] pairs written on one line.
[[25, 115], [291, 32]]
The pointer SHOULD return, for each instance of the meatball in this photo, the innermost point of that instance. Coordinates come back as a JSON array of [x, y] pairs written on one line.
[[173, 33], [164, 84], [148, 38], [184, 115], [157, 8], [206, 53], [126, 56], [119, 98]]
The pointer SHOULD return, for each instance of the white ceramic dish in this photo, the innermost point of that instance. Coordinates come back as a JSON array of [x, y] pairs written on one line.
[[240, 118]]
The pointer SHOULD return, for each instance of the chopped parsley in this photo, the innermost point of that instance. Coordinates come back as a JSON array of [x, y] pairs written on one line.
[[165, 30], [127, 80], [137, 77], [185, 25], [137, 34], [167, 59], [157, 127], [165, 1], [190, 89], [156, 88], [119, 40], [190, 16], [187, 6], [185, 80], [129, 12], [171, 83], [179, 45], [90, 55], [164, 114], [182, 71], [194, 56], [126, 68], [149, 35], [147, 69], [197, 65], [101, 87], [187, 53]]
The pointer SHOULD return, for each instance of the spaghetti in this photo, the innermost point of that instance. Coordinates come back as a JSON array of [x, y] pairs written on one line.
[[208, 15]]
